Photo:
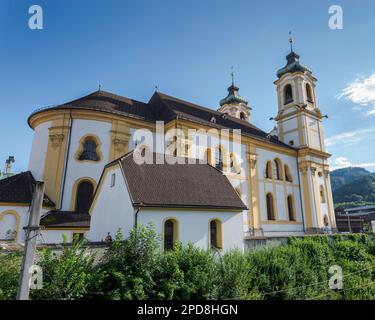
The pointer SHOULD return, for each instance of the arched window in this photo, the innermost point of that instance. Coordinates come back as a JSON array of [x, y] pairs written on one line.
[[234, 167], [170, 234], [219, 159], [309, 93], [89, 150], [325, 220], [9, 225], [208, 156], [270, 207], [269, 170], [242, 116], [215, 234], [291, 212], [322, 194], [277, 167], [85, 192], [288, 175], [288, 94]]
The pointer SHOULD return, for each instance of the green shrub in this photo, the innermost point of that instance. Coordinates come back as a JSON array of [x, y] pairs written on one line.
[[67, 275], [136, 268], [10, 265], [128, 265], [233, 277], [187, 272]]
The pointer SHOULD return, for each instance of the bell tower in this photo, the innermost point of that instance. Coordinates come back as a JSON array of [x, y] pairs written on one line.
[[299, 119], [234, 105], [299, 124]]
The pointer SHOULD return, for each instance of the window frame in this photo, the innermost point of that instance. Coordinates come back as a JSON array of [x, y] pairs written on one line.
[[291, 208], [290, 99], [74, 191], [271, 213], [309, 93], [175, 234], [81, 148], [219, 234]]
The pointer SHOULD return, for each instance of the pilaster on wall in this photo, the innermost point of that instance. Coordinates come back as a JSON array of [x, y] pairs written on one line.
[[330, 197], [307, 201], [120, 138], [319, 221], [253, 178], [55, 157], [311, 196]]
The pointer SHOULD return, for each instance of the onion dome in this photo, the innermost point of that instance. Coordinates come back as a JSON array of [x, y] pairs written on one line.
[[233, 97]]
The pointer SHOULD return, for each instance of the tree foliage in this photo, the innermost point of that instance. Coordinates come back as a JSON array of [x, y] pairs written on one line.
[[136, 268]]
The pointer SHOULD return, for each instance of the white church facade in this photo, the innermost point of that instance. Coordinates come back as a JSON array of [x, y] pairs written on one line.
[[273, 185]]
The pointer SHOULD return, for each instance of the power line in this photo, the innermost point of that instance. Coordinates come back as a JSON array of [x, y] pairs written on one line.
[[341, 290], [321, 282]]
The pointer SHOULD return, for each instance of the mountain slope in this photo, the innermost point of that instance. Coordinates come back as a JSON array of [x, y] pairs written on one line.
[[353, 187], [344, 176]]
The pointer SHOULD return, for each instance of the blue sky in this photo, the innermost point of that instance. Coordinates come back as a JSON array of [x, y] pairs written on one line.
[[186, 48]]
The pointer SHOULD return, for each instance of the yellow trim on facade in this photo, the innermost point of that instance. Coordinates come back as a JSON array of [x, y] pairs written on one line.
[[73, 198], [120, 139], [95, 115], [316, 198], [281, 222], [244, 139], [300, 130], [81, 147], [219, 229], [296, 86], [306, 196], [330, 198], [176, 230], [253, 178], [274, 204], [293, 207], [13, 204], [303, 152], [55, 156], [18, 221]]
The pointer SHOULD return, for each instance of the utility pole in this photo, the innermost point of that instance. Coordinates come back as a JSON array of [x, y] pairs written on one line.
[[32, 231]]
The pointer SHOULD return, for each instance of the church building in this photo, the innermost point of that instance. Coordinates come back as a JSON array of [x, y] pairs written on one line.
[[276, 184]]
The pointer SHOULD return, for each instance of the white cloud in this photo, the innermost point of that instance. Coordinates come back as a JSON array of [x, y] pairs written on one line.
[[349, 137], [361, 92], [342, 162]]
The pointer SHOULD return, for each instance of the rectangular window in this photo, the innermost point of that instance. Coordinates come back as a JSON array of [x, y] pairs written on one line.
[[113, 180]]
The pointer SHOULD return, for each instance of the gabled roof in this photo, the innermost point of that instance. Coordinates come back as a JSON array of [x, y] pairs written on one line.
[[19, 189], [65, 219], [185, 185]]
